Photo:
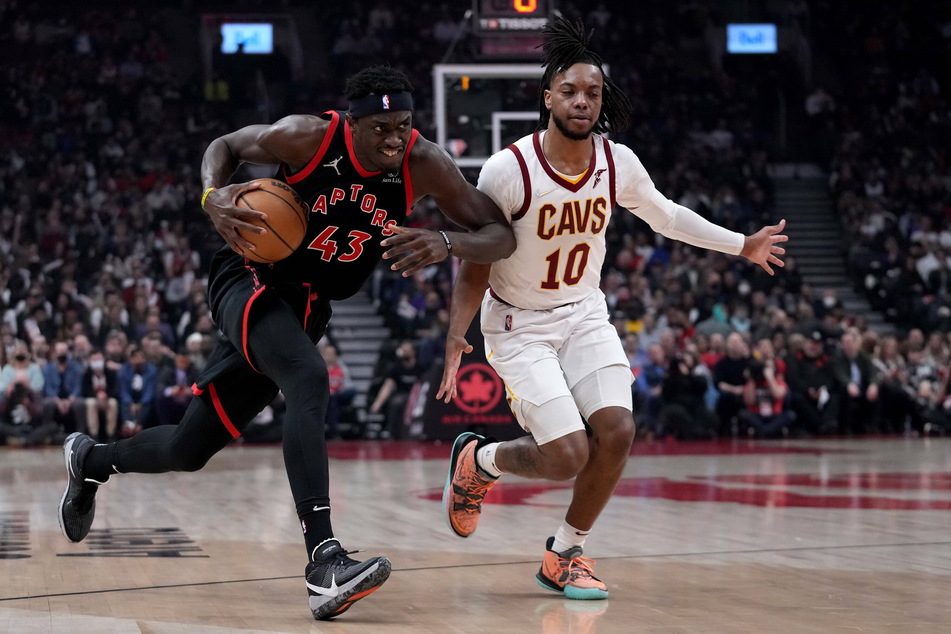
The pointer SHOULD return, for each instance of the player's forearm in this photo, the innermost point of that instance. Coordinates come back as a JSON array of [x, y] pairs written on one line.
[[487, 244], [218, 164], [680, 223], [467, 293]]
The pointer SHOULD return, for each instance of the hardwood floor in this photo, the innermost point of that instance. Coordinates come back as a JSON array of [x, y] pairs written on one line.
[[790, 536]]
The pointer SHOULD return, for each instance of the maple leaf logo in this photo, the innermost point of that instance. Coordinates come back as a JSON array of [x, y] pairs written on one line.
[[479, 388]]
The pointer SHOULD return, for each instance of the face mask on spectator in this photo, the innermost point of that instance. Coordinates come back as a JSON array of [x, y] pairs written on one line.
[[61, 358], [20, 357], [97, 365]]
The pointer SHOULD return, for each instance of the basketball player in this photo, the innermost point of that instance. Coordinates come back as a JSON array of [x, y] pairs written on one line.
[[360, 171], [544, 318]]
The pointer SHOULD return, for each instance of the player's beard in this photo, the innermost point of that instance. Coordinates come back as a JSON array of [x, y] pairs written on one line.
[[571, 134]]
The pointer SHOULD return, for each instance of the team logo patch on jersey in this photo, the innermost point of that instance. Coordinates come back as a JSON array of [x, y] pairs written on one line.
[[597, 176], [508, 323], [386, 102]]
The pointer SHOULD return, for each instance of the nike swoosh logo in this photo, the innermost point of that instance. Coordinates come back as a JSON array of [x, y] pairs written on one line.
[[582, 533], [69, 463], [332, 591], [545, 193], [321, 508]]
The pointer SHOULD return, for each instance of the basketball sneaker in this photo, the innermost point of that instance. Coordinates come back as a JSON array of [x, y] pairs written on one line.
[[335, 582], [466, 485], [77, 507], [570, 573]]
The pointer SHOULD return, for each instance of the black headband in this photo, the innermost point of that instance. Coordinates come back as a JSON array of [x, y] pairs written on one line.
[[376, 104]]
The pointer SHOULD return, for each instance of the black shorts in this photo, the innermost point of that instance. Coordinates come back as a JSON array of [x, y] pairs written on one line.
[[238, 298]]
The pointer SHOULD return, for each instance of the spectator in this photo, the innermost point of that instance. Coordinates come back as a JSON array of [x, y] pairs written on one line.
[[649, 389], [937, 417], [21, 419], [174, 389], [765, 395], [156, 352], [114, 350], [729, 376], [21, 400], [923, 382], [81, 349], [896, 405], [342, 390], [765, 351], [716, 350], [40, 350], [137, 383], [431, 345], [684, 414], [650, 331], [197, 350], [394, 393], [100, 394], [20, 368], [62, 386], [636, 355], [857, 381], [154, 326], [939, 278], [812, 381]]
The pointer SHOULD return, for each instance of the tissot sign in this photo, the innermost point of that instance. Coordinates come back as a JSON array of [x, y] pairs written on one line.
[[499, 17]]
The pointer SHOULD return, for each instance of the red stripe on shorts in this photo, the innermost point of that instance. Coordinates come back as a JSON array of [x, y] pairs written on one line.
[[244, 328], [221, 412]]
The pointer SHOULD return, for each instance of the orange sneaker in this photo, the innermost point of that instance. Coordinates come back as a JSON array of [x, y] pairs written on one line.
[[466, 486], [570, 573]]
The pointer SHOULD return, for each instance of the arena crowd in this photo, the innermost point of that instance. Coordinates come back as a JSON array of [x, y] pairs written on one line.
[[104, 249]]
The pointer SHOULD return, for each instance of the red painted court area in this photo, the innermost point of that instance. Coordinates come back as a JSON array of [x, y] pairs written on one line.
[[415, 450], [771, 483]]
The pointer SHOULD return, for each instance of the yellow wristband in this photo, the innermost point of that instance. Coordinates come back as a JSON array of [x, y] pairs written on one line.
[[204, 196]]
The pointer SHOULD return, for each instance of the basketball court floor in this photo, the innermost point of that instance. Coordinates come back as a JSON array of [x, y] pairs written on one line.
[[785, 536]]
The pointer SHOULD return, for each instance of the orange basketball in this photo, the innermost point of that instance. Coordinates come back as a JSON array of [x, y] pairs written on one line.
[[286, 221]]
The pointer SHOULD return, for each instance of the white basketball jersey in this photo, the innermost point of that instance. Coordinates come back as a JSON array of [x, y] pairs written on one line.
[[559, 221]]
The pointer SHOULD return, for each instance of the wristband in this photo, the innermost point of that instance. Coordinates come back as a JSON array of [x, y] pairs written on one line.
[[446, 238], [204, 195]]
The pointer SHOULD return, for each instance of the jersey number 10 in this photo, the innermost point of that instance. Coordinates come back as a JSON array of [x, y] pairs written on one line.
[[575, 265]]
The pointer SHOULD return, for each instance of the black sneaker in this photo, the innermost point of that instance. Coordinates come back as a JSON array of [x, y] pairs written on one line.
[[335, 582], [77, 507]]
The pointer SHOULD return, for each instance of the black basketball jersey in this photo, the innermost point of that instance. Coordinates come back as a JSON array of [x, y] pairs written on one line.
[[351, 211]]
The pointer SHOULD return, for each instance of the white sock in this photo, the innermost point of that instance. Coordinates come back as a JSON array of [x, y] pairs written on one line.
[[568, 537], [485, 458]]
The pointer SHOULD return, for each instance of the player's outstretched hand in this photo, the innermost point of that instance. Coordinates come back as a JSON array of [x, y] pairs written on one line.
[[227, 217], [418, 247], [761, 247], [455, 348]]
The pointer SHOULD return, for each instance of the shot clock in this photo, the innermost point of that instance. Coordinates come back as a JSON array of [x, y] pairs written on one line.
[[510, 28], [511, 17]]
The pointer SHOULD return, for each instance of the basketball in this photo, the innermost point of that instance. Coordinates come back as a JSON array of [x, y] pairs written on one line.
[[286, 221]]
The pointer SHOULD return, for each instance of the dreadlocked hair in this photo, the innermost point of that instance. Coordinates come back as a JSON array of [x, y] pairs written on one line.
[[565, 44], [377, 80]]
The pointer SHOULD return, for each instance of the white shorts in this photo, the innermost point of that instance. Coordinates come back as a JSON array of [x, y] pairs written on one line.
[[542, 355]]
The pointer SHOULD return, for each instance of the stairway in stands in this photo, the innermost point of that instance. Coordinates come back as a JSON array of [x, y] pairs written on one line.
[[815, 238], [360, 333]]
